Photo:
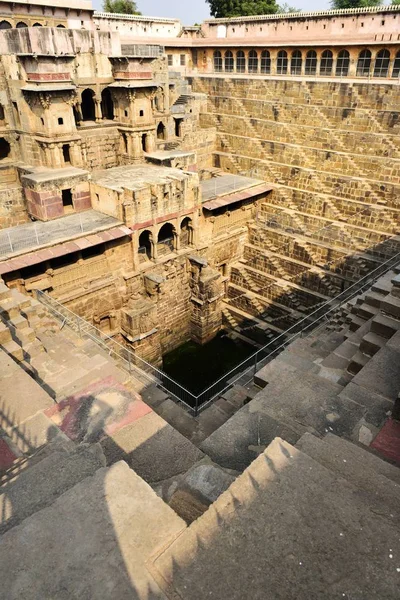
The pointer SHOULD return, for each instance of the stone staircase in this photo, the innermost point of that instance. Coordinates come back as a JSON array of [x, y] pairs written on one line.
[[290, 484]]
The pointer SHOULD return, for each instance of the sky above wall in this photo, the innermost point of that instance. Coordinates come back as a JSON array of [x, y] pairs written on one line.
[[195, 11]]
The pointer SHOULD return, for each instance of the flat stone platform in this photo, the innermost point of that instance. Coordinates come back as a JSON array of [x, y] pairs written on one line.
[[32, 236]]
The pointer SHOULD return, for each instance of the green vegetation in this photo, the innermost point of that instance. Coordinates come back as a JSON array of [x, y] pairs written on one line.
[[242, 8], [125, 7]]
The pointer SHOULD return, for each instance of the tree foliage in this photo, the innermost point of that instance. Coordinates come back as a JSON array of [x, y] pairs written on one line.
[[241, 8], [125, 7], [288, 8], [354, 3]]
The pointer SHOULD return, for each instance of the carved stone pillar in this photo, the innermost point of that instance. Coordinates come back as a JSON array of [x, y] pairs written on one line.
[[97, 109]]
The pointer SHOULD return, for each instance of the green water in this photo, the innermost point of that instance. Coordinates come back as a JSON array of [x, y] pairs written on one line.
[[196, 367]]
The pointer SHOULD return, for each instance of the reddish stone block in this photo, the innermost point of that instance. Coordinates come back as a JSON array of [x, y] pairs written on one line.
[[54, 210], [387, 442], [83, 203], [7, 456]]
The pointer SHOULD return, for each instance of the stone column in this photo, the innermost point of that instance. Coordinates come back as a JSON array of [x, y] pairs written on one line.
[[136, 146], [154, 249], [97, 109], [151, 142], [206, 297], [352, 67]]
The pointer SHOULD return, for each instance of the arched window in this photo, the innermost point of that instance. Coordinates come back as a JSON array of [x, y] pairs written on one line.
[[364, 63], [61, 26], [88, 110], [5, 25], [326, 63], [311, 63], [217, 61], [228, 61], [396, 65], [253, 61], [37, 25], [21, 24], [161, 131], [144, 249], [342, 63], [240, 62], [265, 62], [282, 62], [295, 63], [382, 61], [2, 115], [186, 232], [107, 105], [165, 239]]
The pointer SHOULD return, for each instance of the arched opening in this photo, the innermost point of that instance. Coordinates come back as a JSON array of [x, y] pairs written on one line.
[[240, 62], [5, 148], [61, 26], [253, 61], [382, 61], [364, 63], [326, 65], [144, 249], [178, 127], [107, 105], [21, 24], [88, 108], [396, 65], [37, 25], [2, 115], [217, 61], [144, 142], [282, 62], [342, 63], [265, 62], [5, 25], [295, 63], [161, 131], [186, 235], [165, 239], [228, 61], [311, 63]]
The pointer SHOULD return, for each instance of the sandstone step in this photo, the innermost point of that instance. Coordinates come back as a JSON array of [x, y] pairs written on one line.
[[5, 292], [356, 323], [5, 334], [22, 397], [38, 487], [366, 311], [391, 306], [371, 343], [285, 519], [381, 494], [103, 530], [385, 326], [358, 361], [13, 350], [374, 299], [364, 457]]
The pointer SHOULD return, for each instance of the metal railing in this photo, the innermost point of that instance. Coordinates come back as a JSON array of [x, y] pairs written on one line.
[[139, 368], [150, 375], [37, 234]]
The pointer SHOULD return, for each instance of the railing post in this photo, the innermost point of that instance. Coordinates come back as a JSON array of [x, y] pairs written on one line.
[[255, 362], [79, 326]]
